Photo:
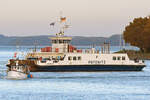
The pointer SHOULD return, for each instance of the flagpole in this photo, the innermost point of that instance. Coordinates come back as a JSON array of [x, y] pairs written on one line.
[[62, 23]]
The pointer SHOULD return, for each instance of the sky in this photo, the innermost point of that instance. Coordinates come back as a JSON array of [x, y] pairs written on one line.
[[86, 17]]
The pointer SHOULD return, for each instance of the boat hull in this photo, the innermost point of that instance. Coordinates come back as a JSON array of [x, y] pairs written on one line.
[[75, 68], [16, 75]]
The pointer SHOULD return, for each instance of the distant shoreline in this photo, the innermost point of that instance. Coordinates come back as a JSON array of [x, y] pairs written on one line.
[[114, 40]]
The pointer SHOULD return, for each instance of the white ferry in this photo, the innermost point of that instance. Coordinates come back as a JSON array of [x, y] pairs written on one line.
[[62, 56]]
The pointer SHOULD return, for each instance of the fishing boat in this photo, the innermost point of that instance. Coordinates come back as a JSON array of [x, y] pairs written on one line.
[[18, 71], [62, 56]]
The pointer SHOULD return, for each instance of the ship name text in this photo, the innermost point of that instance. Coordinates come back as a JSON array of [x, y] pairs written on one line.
[[96, 62]]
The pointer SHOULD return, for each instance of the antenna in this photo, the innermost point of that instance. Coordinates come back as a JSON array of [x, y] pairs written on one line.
[[17, 45], [61, 13], [17, 49], [35, 46], [120, 42], [123, 42]]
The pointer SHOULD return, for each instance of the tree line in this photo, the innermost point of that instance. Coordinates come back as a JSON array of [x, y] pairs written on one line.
[[137, 33]]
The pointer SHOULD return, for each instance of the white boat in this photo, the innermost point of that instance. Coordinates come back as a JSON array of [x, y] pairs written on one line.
[[62, 56], [18, 71]]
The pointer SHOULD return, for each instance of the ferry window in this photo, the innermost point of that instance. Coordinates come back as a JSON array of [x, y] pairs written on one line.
[[60, 41], [32, 58], [79, 58], [123, 58], [54, 41], [74, 58], [57, 41], [69, 58], [68, 41], [118, 58], [114, 58]]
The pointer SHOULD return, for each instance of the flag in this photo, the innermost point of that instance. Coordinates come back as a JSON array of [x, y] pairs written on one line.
[[52, 24], [62, 19]]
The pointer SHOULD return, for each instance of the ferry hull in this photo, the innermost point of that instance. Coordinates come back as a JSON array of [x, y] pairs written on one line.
[[84, 68]]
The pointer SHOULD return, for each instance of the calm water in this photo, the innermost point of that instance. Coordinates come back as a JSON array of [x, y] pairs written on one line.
[[74, 85]]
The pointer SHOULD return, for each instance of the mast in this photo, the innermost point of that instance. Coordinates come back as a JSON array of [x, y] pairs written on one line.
[[17, 50], [35, 46], [120, 42], [61, 43]]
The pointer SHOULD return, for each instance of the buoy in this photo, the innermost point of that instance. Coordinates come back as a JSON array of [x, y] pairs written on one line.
[[30, 76]]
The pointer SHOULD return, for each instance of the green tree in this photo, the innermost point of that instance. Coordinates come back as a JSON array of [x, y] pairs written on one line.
[[137, 33]]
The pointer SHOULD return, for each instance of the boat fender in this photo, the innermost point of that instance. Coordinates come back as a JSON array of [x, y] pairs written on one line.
[[30, 76]]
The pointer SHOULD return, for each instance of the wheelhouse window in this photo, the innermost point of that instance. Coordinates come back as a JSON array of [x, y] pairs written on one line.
[[64, 41], [114, 58], [60, 41], [68, 41], [55, 41], [52, 41]]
